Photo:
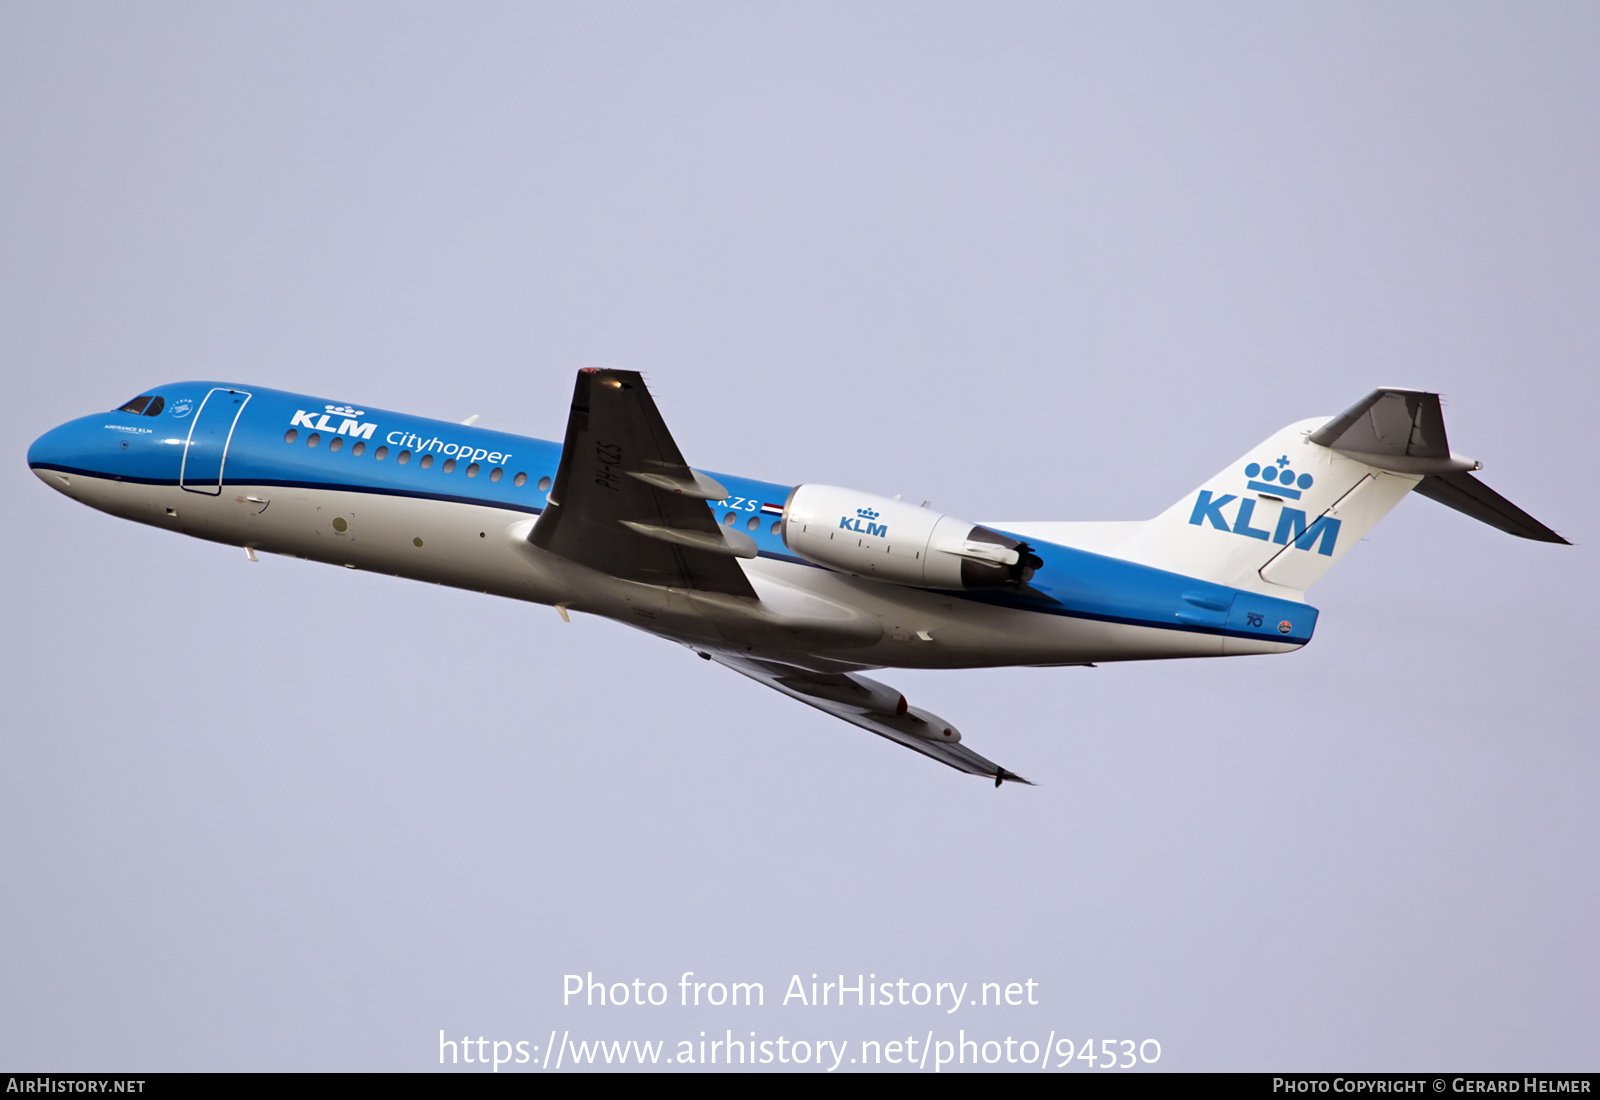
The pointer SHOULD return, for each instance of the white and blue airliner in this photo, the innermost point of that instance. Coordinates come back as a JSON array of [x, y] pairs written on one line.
[[798, 586]]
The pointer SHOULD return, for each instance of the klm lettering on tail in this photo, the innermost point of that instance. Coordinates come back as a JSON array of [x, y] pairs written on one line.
[[861, 523], [1276, 480]]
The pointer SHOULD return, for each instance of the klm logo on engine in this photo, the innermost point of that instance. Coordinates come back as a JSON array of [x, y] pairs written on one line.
[[350, 427], [1275, 479], [861, 523]]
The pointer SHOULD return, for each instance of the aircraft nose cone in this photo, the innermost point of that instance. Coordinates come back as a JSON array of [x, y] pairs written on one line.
[[50, 455], [52, 449], [63, 451]]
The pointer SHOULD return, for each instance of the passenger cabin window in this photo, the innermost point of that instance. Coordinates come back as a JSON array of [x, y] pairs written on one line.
[[358, 448], [147, 404], [427, 460], [335, 443], [520, 480], [449, 465]]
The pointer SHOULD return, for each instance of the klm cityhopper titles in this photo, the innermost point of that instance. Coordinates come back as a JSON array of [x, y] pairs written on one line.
[[797, 586]]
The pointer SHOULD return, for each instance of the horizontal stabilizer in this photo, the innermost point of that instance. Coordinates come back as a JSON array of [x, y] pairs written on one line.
[[1469, 496], [1401, 431]]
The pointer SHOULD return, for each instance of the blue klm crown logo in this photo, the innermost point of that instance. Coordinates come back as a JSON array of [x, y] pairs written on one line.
[[1277, 478]]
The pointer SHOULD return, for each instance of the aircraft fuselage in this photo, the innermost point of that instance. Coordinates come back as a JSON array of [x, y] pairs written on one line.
[[453, 504]]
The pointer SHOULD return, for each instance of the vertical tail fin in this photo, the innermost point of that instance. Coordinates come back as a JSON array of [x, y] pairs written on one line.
[[1283, 514]]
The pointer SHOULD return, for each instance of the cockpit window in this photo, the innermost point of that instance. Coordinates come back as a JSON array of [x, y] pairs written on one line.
[[148, 405]]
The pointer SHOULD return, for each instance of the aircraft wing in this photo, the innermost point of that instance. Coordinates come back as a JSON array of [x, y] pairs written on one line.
[[624, 501], [872, 706]]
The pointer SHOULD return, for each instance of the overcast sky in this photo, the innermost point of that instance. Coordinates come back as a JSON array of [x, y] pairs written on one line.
[[1032, 261]]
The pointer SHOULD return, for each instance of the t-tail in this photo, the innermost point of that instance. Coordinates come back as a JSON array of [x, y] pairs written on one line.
[[1287, 511]]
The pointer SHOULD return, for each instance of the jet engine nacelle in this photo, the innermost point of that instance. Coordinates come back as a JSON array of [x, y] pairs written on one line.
[[890, 540]]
